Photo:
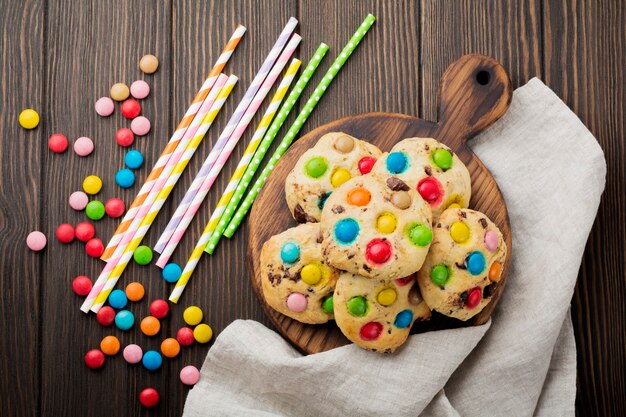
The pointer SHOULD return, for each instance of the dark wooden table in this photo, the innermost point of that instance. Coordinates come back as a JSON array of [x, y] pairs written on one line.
[[59, 56]]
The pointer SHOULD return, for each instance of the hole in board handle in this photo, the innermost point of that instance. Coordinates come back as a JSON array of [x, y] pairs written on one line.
[[483, 77]]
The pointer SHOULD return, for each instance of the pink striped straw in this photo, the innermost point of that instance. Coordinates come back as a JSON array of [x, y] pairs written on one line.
[[226, 133], [225, 153]]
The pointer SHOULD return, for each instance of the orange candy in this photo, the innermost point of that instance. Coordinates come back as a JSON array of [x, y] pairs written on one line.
[[135, 291], [150, 326], [359, 197], [494, 271], [110, 345], [170, 347]]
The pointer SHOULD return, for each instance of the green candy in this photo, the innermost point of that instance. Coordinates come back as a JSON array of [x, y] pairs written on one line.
[[328, 305], [95, 210], [439, 275], [143, 255], [421, 235], [357, 306], [443, 159], [316, 167]]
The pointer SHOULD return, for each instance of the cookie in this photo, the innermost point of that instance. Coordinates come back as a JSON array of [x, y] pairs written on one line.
[[432, 169], [377, 229], [464, 265], [296, 281], [375, 314], [334, 159]]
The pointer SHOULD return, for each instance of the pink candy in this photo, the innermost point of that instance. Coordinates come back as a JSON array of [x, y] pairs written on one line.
[[132, 354], [140, 126], [297, 302], [83, 146], [36, 241], [491, 240], [104, 106], [139, 89], [78, 200], [189, 375]]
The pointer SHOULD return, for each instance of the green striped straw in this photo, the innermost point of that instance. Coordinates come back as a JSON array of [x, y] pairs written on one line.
[[265, 144], [297, 125]]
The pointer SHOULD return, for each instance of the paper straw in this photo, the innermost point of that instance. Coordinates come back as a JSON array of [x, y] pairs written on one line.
[[297, 125], [227, 151], [223, 139], [107, 279], [172, 145], [304, 78]]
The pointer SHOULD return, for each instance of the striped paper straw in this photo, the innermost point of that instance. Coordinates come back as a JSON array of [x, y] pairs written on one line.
[[304, 78], [123, 253], [223, 139], [226, 152], [174, 141], [297, 125]]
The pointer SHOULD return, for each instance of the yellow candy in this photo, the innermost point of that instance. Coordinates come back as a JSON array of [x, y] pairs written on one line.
[[454, 205], [202, 333], [459, 232], [92, 185], [192, 315], [387, 296], [386, 223], [311, 274], [29, 119], [339, 177], [119, 92]]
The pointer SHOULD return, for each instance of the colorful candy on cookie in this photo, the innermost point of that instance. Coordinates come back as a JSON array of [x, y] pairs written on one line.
[[464, 265], [296, 279], [377, 314], [334, 159], [376, 228]]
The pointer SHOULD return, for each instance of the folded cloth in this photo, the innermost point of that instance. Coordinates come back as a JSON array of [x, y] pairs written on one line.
[[551, 171]]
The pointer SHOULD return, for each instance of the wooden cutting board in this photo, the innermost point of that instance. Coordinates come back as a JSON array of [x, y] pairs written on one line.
[[474, 92]]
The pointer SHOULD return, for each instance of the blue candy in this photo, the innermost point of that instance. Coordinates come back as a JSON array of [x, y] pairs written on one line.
[[133, 159], [476, 263], [403, 319], [125, 178], [118, 299], [290, 253], [124, 320], [397, 162], [152, 360], [171, 272], [346, 230]]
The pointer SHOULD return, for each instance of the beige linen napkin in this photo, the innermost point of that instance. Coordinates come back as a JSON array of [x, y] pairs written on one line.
[[551, 171]]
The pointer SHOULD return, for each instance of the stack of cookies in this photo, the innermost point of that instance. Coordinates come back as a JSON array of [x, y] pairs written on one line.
[[384, 239]]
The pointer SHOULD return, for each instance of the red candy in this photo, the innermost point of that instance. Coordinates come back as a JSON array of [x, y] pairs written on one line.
[[401, 282], [57, 143], [378, 251], [431, 190], [81, 285], [149, 398], [94, 248], [106, 316], [114, 207], [94, 359], [366, 164], [159, 309], [85, 231], [131, 108], [474, 297], [124, 137], [185, 336], [371, 331], [65, 233]]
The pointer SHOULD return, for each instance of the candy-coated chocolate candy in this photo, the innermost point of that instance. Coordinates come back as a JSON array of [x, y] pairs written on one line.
[[81, 285], [124, 319], [387, 297], [439, 275], [94, 247], [140, 126], [171, 272], [357, 306], [124, 137], [371, 331], [150, 326], [297, 302], [421, 235], [346, 230], [110, 345], [403, 319], [57, 143], [92, 184], [118, 299], [397, 162], [473, 298], [290, 252], [84, 231], [443, 159], [344, 144], [135, 291], [149, 64], [104, 106], [339, 176], [78, 200], [29, 119], [130, 108], [95, 210], [152, 360], [114, 207], [132, 353], [494, 271], [322, 200], [139, 89], [401, 199], [189, 375], [83, 146], [65, 233], [119, 92], [36, 241], [106, 316], [94, 359], [192, 315], [311, 274], [159, 309], [359, 197], [143, 255], [386, 223], [149, 398], [316, 167], [378, 251], [125, 178], [475, 263], [492, 241], [459, 232], [170, 348], [454, 206], [366, 164], [328, 305], [133, 159], [185, 336], [203, 333], [431, 190], [401, 282]]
